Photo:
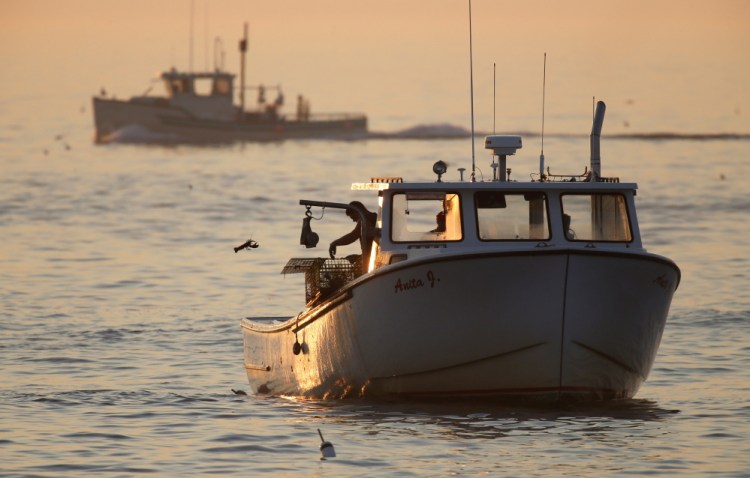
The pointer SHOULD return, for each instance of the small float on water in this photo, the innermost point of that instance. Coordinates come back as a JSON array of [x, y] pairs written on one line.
[[502, 289], [199, 107]]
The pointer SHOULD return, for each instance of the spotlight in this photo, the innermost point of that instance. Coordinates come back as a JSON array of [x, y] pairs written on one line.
[[439, 168]]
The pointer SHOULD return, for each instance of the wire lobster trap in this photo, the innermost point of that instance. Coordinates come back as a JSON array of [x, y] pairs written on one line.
[[323, 276]]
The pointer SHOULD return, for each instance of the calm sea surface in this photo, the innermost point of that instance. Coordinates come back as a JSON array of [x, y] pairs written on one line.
[[120, 302]]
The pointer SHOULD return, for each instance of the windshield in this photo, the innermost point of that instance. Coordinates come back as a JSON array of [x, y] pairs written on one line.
[[511, 216], [426, 217], [596, 217]]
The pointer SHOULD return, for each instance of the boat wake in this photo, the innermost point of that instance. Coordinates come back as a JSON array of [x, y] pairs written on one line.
[[425, 131], [137, 134], [141, 135], [450, 131]]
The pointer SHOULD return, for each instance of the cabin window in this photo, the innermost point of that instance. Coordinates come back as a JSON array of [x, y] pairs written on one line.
[[596, 217], [222, 86], [503, 216], [426, 217], [179, 86]]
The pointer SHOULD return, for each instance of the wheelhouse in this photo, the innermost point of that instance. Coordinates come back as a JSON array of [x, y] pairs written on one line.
[[212, 84], [419, 219], [207, 95]]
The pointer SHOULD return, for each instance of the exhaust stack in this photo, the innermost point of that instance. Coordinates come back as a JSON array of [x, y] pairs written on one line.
[[596, 131]]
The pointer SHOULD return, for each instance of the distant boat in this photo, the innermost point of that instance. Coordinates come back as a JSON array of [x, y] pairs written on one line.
[[536, 289], [199, 107]]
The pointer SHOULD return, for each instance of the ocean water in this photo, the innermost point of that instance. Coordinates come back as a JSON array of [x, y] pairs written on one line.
[[121, 297]]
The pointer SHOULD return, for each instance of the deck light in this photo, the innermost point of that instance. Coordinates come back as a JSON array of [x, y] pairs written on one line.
[[439, 168]]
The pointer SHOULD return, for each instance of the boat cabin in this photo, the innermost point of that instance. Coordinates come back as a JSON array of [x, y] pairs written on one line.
[[217, 84], [420, 219], [206, 95]]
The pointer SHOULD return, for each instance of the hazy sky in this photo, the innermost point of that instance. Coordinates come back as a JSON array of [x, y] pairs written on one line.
[[381, 56]]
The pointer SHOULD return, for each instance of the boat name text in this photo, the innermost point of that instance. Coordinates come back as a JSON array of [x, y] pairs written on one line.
[[416, 283]]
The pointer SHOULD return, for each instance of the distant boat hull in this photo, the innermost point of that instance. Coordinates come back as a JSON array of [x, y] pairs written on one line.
[[173, 124], [549, 325]]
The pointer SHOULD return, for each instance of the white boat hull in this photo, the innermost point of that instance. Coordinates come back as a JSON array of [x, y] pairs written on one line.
[[564, 324]]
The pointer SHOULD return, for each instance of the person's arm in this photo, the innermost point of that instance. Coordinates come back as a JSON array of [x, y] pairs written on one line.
[[344, 240]]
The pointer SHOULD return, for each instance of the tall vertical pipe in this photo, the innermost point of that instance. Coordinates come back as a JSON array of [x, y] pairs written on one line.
[[596, 131], [243, 52]]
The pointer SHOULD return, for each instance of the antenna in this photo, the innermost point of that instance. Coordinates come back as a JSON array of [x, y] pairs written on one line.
[[205, 36], [192, 15], [471, 81], [544, 92], [494, 102]]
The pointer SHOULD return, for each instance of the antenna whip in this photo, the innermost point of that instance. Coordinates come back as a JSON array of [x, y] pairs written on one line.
[[192, 15], [544, 92], [471, 81]]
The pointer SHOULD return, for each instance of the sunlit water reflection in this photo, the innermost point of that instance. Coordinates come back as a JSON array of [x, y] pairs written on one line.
[[121, 301]]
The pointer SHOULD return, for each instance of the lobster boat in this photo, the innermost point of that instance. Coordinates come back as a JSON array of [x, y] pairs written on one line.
[[199, 108], [502, 289]]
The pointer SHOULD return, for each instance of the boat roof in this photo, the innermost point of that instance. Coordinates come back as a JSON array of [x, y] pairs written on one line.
[[174, 74], [397, 184]]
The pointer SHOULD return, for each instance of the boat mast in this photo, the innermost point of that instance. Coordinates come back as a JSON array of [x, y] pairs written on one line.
[[243, 53]]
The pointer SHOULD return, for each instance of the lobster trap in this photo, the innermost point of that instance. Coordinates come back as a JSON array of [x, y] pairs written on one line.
[[323, 276]]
